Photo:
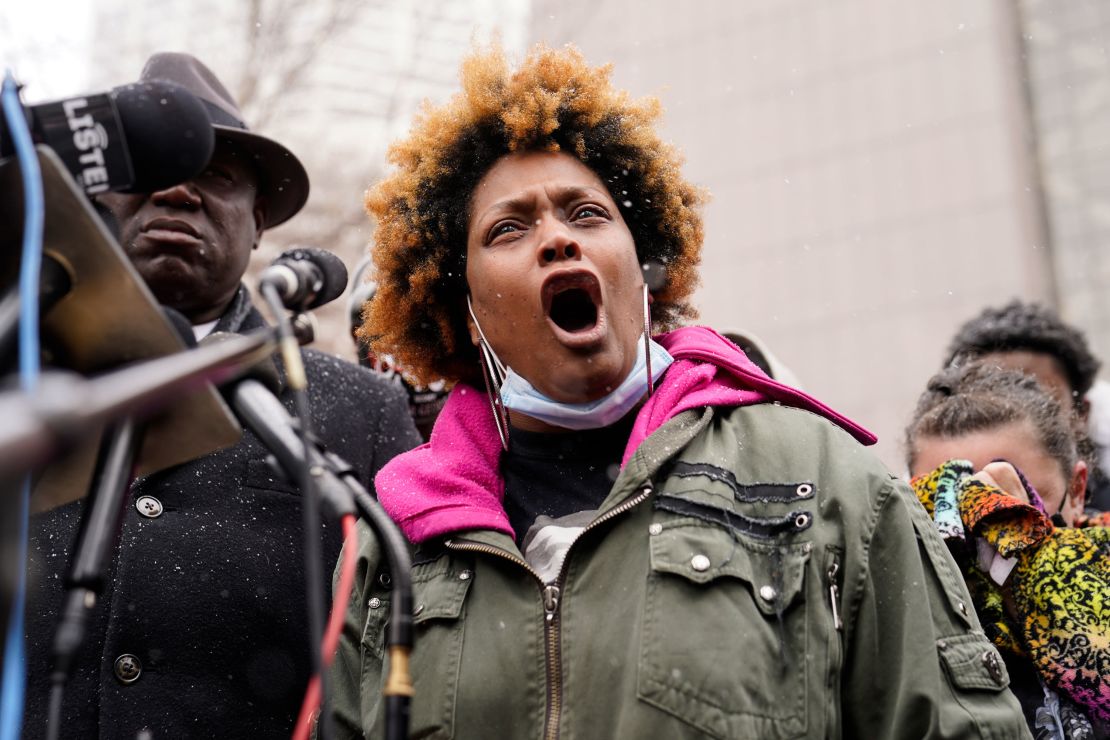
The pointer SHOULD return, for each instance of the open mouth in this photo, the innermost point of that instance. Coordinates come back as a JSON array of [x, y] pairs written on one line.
[[572, 302], [573, 310]]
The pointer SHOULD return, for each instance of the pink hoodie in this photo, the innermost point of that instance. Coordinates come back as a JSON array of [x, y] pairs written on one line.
[[453, 482]]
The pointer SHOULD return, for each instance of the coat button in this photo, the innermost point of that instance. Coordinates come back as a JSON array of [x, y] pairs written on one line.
[[700, 563], [149, 507], [128, 668], [464, 575], [767, 593], [375, 603], [418, 610], [656, 528]]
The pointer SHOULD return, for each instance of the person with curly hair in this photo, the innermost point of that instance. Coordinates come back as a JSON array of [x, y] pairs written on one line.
[[621, 527], [1034, 339], [995, 462]]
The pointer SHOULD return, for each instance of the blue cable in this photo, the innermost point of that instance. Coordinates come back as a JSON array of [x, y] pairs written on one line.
[[12, 691]]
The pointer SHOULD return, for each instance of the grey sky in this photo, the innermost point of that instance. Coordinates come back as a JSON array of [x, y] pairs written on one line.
[[44, 43]]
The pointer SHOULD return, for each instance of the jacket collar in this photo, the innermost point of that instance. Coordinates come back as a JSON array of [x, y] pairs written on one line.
[[240, 315], [454, 483]]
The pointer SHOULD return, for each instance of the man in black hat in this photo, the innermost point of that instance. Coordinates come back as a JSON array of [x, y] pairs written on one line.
[[192, 242], [202, 630]]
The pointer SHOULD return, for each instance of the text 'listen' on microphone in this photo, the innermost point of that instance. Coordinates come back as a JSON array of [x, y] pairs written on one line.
[[135, 138]]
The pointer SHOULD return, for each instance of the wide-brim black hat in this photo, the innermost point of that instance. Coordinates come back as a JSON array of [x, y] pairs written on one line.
[[283, 182]]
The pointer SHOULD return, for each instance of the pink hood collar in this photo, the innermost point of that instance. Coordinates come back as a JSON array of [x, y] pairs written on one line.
[[453, 482]]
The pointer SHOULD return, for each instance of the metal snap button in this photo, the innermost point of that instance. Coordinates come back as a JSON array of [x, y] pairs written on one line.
[[419, 608], [803, 489], [385, 580], [149, 507], [375, 603], [464, 575], [962, 607], [994, 667], [127, 668], [767, 593], [655, 528], [700, 563]]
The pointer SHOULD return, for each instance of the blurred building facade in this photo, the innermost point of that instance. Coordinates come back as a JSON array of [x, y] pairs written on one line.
[[880, 170], [1067, 54]]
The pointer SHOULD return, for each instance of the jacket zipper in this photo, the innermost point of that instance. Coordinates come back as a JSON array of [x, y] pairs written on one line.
[[834, 594], [832, 570], [551, 593]]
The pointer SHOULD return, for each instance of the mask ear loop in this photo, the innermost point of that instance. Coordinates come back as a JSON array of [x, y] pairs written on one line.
[[493, 372], [647, 342]]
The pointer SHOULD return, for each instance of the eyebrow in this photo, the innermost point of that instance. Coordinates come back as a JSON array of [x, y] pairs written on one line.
[[560, 195]]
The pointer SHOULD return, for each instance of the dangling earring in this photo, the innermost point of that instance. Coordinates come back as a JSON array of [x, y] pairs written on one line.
[[647, 341], [493, 372]]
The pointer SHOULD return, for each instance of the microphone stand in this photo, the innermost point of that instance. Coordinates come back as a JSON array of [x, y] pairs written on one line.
[[101, 528], [68, 406], [261, 412]]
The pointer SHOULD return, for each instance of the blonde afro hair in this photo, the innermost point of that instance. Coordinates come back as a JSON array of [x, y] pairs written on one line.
[[554, 101]]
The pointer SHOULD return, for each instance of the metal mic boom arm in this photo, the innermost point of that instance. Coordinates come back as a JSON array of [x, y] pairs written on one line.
[[68, 407], [260, 411]]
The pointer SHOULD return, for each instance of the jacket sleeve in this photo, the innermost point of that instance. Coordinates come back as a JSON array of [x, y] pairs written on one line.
[[353, 664], [917, 664]]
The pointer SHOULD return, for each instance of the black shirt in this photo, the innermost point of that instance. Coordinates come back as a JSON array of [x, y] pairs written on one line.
[[555, 474]]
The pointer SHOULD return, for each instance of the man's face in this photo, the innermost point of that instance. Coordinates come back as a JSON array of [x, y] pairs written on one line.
[[192, 242]]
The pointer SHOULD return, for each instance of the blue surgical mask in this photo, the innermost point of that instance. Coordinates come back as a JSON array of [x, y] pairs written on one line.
[[519, 395]]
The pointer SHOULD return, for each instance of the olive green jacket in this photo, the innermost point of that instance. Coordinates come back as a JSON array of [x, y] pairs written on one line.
[[754, 573]]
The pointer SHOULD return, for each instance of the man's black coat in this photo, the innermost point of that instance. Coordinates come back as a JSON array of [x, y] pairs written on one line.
[[209, 596]]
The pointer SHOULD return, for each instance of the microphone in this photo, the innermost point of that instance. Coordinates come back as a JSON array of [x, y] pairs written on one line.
[[135, 138], [305, 278]]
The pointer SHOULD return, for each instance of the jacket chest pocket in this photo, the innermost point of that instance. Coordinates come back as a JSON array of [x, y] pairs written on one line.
[[439, 596], [724, 639]]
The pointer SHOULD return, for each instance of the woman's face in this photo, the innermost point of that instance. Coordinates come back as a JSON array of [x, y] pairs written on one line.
[[1018, 444], [553, 275]]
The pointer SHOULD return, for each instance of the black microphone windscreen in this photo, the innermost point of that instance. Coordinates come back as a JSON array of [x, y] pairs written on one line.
[[331, 267], [169, 135]]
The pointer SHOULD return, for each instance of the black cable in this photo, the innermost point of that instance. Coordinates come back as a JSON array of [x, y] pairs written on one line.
[[101, 527], [314, 571], [399, 641], [54, 723], [341, 493]]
